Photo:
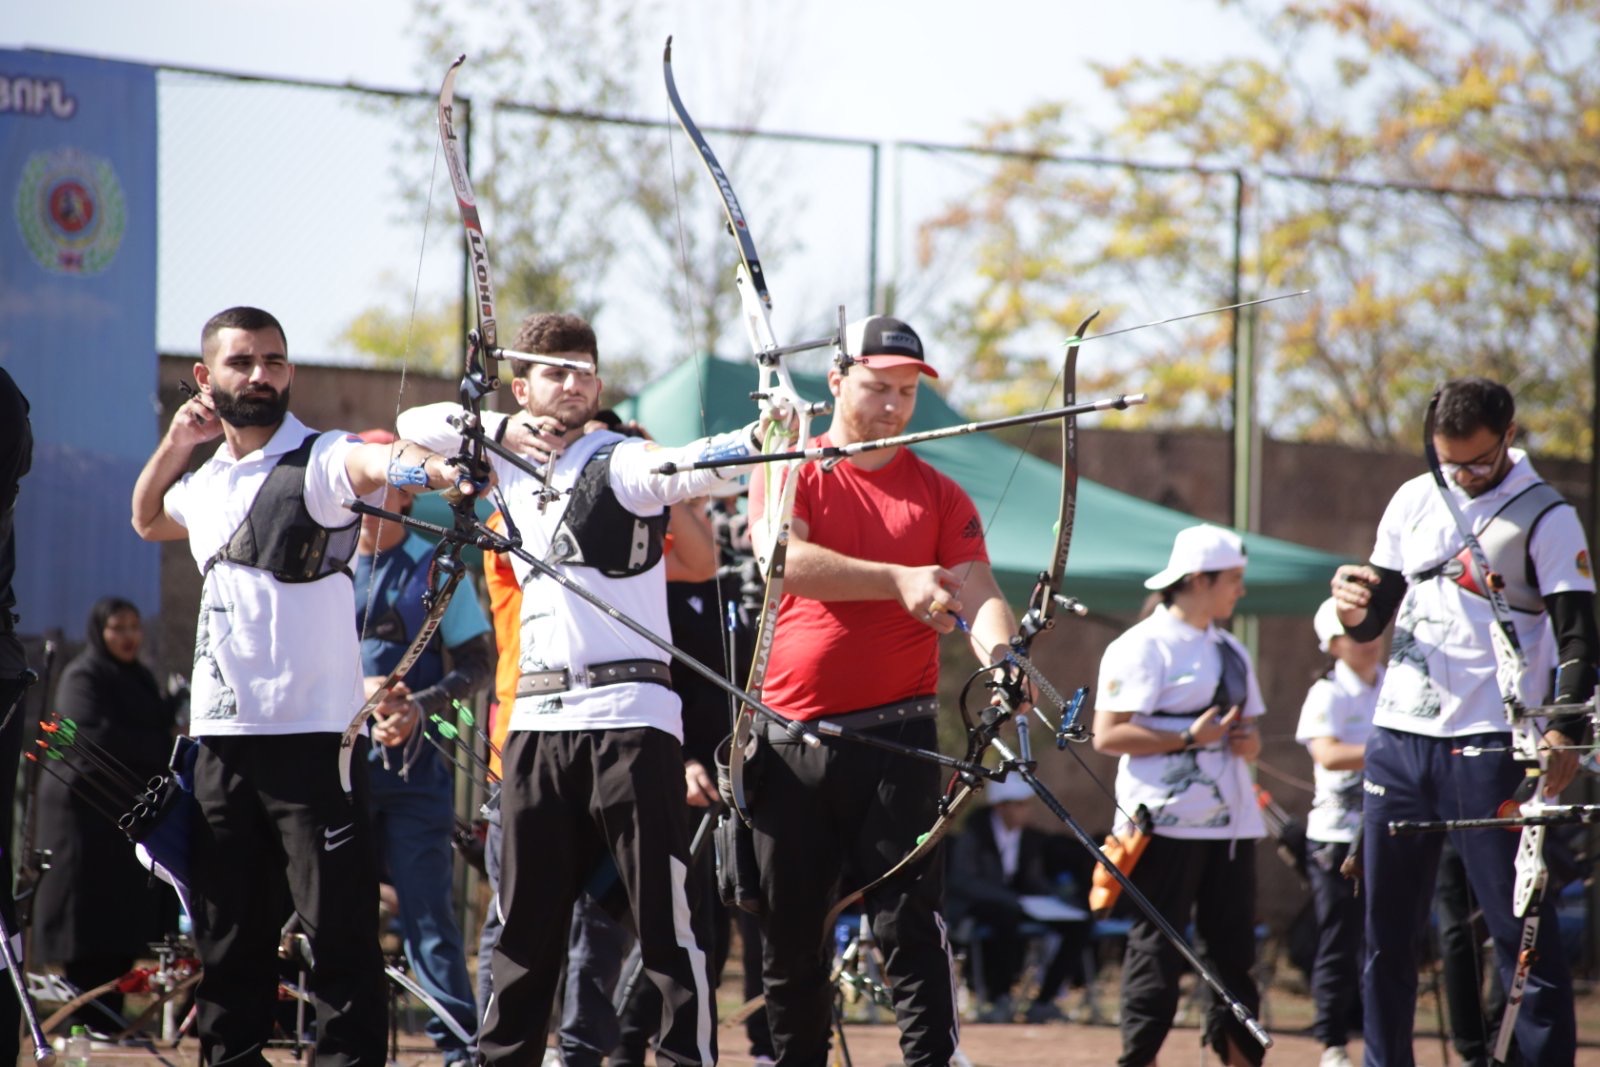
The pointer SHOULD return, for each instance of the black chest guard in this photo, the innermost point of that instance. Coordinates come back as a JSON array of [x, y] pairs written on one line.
[[278, 533], [597, 531]]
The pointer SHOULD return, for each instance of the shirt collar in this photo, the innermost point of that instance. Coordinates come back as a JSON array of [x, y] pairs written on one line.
[[1349, 681], [1182, 628], [288, 437]]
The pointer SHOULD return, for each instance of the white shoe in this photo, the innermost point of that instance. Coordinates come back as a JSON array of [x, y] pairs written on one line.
[[1334, 1056]]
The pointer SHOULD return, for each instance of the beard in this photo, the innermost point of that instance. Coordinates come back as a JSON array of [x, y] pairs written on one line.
[[260, 408], [572, 413]]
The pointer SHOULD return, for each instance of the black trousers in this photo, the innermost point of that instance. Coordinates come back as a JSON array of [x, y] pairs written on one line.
[[568, 798], [1474, 1019], [277, 831], [1336, 974], [641, 1016], [1214, 883], [832, 819]]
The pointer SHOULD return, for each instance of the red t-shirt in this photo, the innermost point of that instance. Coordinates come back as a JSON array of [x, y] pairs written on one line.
[[838, 656]]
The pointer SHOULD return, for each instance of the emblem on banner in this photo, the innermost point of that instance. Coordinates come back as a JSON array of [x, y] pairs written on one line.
[[71, 211]]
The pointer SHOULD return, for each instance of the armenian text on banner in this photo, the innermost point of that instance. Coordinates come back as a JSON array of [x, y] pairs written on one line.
[[78, 323]]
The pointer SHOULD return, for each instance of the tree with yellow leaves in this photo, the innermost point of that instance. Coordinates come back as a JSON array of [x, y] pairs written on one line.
[[1429, 169]]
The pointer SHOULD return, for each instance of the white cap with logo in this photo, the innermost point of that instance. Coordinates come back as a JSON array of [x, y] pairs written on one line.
[[1199, 548]]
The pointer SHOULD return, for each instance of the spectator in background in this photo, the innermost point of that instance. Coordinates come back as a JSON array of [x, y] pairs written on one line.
[[995, 864], [1335, 723], [413, 792], [97, 909]]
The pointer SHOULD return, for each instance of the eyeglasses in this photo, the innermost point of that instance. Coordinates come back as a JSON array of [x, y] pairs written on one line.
[[1481, 466]]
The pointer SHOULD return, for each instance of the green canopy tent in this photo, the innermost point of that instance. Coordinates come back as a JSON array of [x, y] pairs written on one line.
[[1117, 541]]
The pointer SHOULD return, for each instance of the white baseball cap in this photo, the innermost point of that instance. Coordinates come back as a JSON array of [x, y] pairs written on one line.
[[1327, 624], [1199, 548], [1012, 788]]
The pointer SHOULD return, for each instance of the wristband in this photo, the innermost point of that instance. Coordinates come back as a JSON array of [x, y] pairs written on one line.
[[402, 475], [1187, 737]]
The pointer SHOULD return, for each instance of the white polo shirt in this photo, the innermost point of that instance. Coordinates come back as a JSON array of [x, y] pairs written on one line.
[[1441, 679], [271, 657], [1165, 664], [1339, 706], [560, 630]]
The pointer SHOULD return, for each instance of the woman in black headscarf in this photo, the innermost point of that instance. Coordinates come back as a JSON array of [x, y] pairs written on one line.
[[97, 909]]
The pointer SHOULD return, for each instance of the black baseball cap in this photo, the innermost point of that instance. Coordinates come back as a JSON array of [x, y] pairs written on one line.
[[881, 341]]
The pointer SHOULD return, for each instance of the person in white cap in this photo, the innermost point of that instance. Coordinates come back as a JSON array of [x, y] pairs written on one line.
[[885, 553], [1335, 722], [1178, 700]]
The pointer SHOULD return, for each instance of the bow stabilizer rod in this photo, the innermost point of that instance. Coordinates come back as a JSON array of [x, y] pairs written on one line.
[[834, 453]]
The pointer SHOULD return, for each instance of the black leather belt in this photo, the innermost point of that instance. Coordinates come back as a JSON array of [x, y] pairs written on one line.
[[540, 683], [900, 711]]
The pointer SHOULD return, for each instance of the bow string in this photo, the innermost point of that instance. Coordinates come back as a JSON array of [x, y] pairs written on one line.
[[478, 381]]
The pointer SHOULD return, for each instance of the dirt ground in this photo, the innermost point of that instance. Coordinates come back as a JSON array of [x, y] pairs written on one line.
[[1286, 1013]]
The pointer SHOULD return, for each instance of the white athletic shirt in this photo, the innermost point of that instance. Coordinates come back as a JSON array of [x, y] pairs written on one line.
[[560, 629], [271, 657], [1339, 706], [1164, 664], [1441, 677]]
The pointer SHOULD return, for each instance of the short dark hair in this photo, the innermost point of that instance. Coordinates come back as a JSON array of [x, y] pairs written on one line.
[[1169, 595], [1468, 405], [549, 332], [239, 318]]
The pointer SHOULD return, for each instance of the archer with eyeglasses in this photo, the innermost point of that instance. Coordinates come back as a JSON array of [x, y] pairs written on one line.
[[1487, 567]]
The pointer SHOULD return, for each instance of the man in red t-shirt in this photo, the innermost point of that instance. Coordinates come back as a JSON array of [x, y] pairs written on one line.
[[884, 552]]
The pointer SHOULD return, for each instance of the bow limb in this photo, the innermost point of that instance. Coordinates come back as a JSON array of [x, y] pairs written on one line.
[[485, 340], [478, 381], [1046, 596], [781, 404], [1041, 609], [949, 809]]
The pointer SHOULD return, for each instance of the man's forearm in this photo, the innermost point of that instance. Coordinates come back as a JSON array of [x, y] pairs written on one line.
[[161, 472], [429, 425], [471, 669], [822, 574], [993, 624], [1386, 597]]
